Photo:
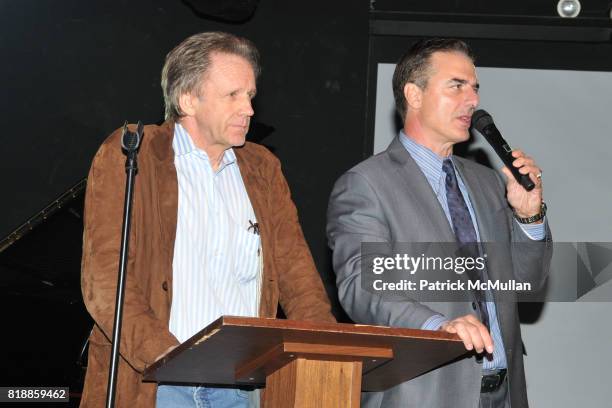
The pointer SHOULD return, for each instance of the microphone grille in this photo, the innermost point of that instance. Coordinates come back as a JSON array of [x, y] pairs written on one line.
[[130, 141], [481, 119]]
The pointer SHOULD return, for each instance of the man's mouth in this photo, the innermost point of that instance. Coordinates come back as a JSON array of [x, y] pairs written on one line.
[[466, 120]]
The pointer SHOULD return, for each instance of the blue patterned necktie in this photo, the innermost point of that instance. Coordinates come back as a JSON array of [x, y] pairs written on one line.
[[464, 231]]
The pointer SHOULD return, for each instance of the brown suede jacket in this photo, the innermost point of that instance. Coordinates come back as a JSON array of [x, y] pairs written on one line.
[[289, 274]]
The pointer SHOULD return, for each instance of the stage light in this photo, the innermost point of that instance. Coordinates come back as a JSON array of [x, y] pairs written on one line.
[[568, 8]]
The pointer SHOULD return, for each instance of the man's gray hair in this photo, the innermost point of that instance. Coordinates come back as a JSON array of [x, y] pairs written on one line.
[[187, 64]]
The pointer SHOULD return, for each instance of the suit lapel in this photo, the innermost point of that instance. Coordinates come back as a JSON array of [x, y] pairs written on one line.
[[416, 185], [251, 184], [167, 184], [478, 199], [256, 189]]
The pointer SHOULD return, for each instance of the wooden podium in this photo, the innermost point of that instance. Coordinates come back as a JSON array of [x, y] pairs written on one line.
[[304, 364]]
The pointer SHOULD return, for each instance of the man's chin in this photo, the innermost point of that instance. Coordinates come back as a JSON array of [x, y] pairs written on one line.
[[463, 136], [238, 140]]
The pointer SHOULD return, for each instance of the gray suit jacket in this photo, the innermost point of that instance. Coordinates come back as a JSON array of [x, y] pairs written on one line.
[[387, 199]]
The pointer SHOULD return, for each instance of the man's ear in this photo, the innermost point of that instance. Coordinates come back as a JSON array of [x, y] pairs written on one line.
[[413, 95], [187, 104]]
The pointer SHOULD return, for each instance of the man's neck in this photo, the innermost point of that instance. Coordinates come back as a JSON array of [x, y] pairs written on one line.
[[214, 151], [442, 149]]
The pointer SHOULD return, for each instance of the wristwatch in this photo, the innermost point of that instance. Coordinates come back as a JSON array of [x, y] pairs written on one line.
[[533, 218]]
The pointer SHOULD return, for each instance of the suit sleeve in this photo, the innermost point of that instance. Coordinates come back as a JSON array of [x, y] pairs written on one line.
[[301, 292], [144, 336], [355, 215], [530, 258]]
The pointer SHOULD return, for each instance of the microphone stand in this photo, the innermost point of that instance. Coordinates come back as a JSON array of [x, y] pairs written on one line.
[[130, 142]]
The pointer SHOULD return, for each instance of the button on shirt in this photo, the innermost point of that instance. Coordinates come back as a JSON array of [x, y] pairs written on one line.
[[431, 166], [216, 268]]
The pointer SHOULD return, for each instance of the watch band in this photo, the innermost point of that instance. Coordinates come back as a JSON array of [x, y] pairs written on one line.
[[533, 218]]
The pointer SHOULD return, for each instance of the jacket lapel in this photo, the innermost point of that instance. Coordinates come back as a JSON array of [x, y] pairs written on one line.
[[416, 185], [167, 184], [478, 199], [256, 189], [248, 172]]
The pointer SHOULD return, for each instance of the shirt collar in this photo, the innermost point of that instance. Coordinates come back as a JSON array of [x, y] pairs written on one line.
[[183, 145], [428, 161]]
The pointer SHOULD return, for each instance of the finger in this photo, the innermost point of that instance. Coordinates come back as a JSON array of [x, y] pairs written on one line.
[[477, 339], [470, 318], [464, 335], [448, 327], [509, 177], [523, 161], [529, 169], [533, 172], [533, 175], [486, 338], [468, 330], [480, 336], [517, 153]]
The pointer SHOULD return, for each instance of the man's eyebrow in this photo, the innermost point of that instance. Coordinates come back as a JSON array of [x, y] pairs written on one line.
[[464, 82]]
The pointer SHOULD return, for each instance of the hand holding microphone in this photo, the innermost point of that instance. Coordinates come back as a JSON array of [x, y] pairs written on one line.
[[483, 123], [524, 186]]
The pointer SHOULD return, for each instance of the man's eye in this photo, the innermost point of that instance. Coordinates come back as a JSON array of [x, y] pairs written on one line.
[[234, 94]]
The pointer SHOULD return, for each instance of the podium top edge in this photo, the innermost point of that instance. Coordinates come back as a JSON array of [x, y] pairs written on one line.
[[325, 327]]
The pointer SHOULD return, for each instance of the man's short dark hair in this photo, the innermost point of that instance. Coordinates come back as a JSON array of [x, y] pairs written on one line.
[[189, 62], [414, 66]]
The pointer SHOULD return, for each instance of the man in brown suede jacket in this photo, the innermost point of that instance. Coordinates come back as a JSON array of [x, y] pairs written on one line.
[[201, 191]]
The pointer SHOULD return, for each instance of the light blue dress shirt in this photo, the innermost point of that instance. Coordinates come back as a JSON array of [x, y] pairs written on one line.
[[216, 269]]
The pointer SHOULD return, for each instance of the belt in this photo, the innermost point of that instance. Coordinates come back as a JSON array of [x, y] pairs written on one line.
[[492, 382]]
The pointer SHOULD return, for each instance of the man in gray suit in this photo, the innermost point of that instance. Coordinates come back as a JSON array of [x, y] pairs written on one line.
[[418, 191]]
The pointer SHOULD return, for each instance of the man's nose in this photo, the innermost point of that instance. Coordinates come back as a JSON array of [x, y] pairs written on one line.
[[472, 97], [247, 107]]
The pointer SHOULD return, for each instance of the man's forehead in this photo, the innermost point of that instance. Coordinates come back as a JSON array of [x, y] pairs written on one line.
[[453, 64], [223, 60], [228, 68]]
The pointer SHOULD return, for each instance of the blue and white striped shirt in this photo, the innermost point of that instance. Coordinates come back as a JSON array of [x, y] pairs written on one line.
[[216, 268], [431, 166]]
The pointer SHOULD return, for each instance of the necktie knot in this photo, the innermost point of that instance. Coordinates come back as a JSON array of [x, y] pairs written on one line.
[[447, 166], [449, 170]]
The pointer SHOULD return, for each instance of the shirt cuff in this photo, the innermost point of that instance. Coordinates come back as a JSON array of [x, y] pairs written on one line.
[[434, 322], [536, 232]]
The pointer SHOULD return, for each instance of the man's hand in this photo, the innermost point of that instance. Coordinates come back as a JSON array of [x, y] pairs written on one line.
[[525, 203], [471, 331]]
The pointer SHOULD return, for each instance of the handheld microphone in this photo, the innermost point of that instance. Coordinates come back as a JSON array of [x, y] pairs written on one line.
[[483, 123]]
